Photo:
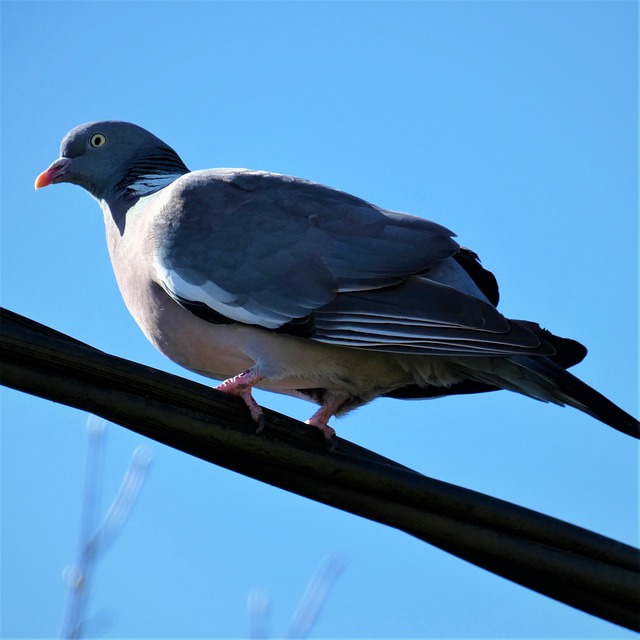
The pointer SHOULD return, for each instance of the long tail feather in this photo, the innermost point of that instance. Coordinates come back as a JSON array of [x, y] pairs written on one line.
[[567, 389]]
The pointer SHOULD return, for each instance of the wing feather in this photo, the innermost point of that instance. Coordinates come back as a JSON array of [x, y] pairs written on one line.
[[422, 316], [266, 249], [290, 255]]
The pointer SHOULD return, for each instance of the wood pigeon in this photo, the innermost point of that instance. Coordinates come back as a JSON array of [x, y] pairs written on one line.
[[270, 281]]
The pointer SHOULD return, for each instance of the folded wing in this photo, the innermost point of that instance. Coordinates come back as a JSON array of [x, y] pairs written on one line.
[[298, 257]]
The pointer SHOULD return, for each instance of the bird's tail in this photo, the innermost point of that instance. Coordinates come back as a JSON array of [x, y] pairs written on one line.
[[543, 379]]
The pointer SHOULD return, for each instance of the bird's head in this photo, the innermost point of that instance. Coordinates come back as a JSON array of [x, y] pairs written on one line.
[[113, 159]]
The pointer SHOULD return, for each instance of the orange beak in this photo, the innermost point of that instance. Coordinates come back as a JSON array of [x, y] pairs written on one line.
[[51, 175], [44, 179]]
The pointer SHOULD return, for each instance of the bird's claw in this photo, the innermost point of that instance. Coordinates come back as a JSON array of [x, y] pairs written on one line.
[[261, 422], [320, 420], [328, 432], [241, 386]]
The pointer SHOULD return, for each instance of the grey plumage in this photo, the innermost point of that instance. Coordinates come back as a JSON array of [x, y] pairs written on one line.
[[267, 280]]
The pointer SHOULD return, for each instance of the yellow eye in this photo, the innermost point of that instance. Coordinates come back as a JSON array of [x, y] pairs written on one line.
[[98, 140]]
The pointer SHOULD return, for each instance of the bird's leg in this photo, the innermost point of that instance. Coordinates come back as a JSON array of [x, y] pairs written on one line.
[[241, 386], [322, 416]]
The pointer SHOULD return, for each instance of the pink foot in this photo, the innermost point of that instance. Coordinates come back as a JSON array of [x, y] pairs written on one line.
[[241, 386], [319, 420]]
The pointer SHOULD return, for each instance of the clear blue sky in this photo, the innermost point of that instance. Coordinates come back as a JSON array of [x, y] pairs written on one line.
[[512, 123]]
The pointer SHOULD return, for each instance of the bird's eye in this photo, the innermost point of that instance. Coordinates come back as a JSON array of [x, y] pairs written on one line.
[[98, 140]]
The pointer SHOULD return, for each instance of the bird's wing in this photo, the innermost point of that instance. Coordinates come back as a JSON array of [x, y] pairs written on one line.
[[301, 258], [266, 249]]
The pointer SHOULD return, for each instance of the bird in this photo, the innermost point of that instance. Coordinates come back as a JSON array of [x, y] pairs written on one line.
[[264, 280]]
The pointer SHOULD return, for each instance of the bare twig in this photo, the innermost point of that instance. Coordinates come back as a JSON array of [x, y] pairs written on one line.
[[315, 596], [94, 538], [78, 576], [258, 607]]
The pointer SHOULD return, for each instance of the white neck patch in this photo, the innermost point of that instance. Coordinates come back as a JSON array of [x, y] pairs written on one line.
[[151, 182]]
